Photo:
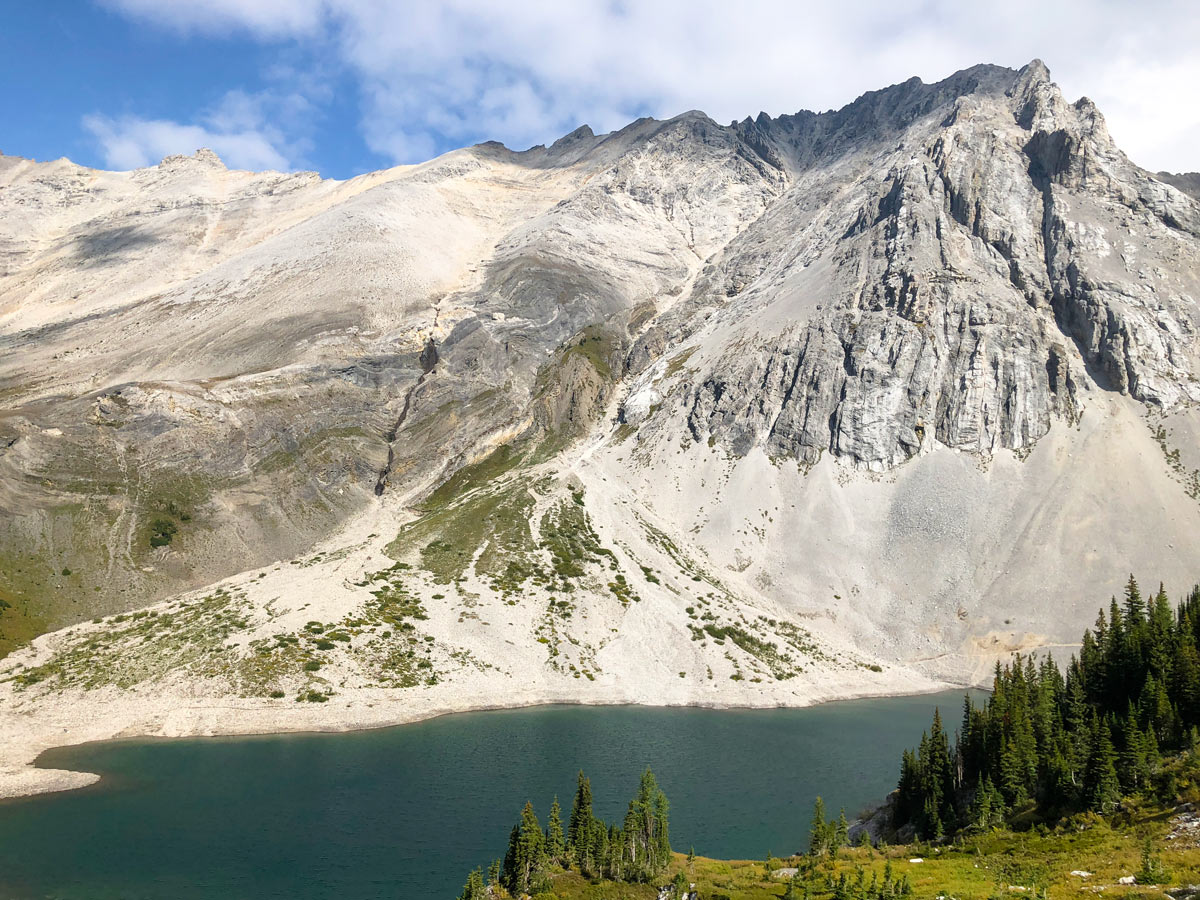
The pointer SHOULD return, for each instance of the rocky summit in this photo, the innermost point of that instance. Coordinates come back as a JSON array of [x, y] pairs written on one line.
[[767, 412]]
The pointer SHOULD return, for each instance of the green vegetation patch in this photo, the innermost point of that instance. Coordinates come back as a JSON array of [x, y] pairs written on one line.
[[597, 346], [20, 622], [475, 513], [480, 521], [780, 665], [572, 542], [162, 532], [1086, 857], [141, 646], [1189, 479], [678, 361]]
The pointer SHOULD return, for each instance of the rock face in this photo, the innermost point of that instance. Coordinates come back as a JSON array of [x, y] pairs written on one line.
[[1188, 182], [944, 288], [890, 370]]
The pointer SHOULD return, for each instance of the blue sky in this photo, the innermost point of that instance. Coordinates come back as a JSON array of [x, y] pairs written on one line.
[[346, 86]]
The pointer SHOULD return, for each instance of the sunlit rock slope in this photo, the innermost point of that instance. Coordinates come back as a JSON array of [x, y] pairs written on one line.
[[768, 412]]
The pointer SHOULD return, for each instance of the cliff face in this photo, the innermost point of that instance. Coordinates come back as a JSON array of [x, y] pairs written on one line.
[[953, 288], [887, 370]]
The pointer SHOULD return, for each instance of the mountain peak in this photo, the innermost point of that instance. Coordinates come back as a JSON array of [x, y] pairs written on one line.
[[1035, 70], [203, 155]]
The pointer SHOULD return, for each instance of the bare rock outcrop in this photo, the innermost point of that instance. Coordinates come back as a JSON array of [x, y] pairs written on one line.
[[943, 291]]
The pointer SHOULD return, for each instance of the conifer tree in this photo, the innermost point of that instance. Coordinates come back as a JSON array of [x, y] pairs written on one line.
[[493, 879], [601, 842], [1067, 739], [1135, 608], [509, 866], [1101, 786], [818, 834], [987, 807], [525, 862], [579, 826], [474, 889], [680, 886], [647, 842], [555, 844], [639, 852], [841, 833]]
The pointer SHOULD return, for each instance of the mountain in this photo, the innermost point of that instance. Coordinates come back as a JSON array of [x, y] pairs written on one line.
[[793, 408], [1188, 182]]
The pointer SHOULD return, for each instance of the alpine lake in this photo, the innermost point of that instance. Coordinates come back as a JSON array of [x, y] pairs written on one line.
[[405, 813]]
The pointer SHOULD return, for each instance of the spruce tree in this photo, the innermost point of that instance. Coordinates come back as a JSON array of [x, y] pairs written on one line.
[[681, 887], [555, 844], [508, 870], [474, 889], [818, 833], [647, 842], [1135, 608], [1040, 735], [493, 879], [1152, 871], [987, 807], [841, 833], [662, 832], [1101, 786], [525, 861], [601, 843], [579, 826]]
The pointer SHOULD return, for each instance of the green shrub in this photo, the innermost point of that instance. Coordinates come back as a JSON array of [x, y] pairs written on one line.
[[1153, 871], [162, 531]]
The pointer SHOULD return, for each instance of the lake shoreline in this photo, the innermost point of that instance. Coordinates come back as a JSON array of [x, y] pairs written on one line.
[[407, 811], [119, 716]]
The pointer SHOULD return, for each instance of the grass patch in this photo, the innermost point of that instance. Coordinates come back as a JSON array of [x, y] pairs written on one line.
[[572, 542], [189, 638], [999, 864]]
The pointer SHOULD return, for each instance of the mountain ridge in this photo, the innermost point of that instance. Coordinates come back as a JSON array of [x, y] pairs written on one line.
[[762, 413]]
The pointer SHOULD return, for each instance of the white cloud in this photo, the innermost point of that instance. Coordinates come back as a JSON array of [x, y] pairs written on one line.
[[434, 72], [130, 143], [267, 18], [248, 131]]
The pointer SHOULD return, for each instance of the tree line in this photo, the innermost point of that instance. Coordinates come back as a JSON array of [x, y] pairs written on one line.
[[1058, 742], [638, 850]]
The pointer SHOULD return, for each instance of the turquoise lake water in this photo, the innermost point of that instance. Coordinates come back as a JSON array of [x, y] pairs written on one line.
[[404, 813]]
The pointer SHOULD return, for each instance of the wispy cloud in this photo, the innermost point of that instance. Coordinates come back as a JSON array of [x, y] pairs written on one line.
[[263, 130], [435, 74], [129, 143], [266, 18]]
